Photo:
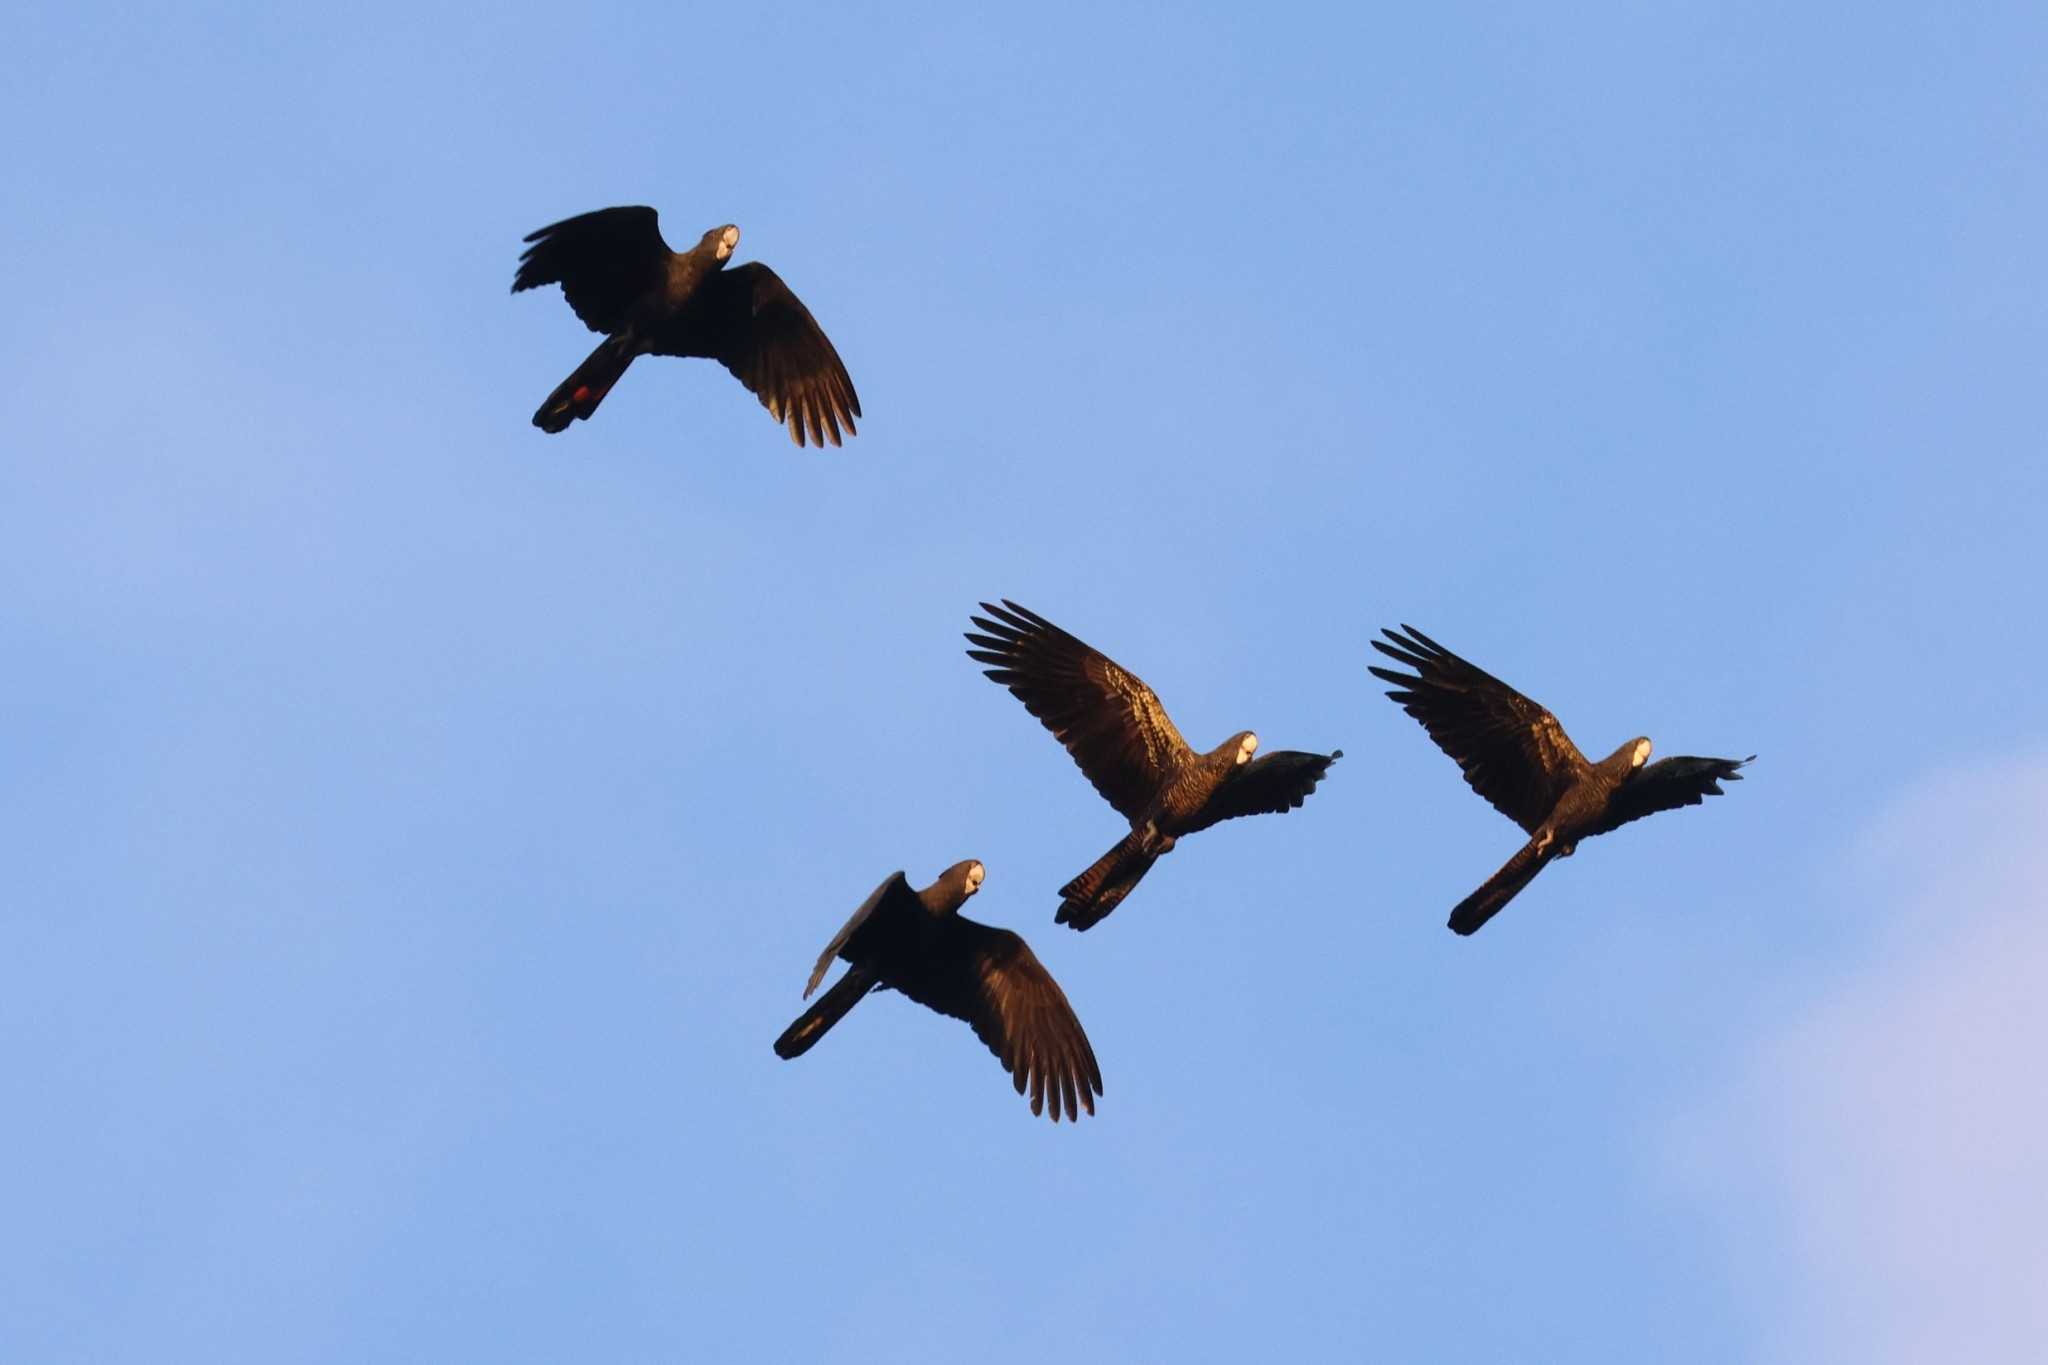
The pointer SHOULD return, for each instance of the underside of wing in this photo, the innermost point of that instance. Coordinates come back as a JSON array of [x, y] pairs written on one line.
[[893, 896], [1106, 716], [1020, 1012], [1269, 785], [747, 320], [606, 262], [1668, 785], [1511, 750]]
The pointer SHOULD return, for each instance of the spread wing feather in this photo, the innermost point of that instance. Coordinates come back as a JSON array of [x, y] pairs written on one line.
[[990, 978], [1512, 751], [1271, 785], [1668, 785], [1106, 716], [747, 320], [606, 262]]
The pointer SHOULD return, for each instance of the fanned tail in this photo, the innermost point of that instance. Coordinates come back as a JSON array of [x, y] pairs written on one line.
[[832, 1006], [1099, 890], [1483, 904], [579, 394]]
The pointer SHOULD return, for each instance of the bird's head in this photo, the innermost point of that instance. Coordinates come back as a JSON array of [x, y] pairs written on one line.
[[1626, 761], [722, 241], [962, 880], [1247, 745]]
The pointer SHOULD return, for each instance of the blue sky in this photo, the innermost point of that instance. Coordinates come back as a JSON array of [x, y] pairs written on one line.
[[417, 828]]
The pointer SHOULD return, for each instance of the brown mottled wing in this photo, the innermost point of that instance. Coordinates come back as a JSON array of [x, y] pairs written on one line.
[[1667, 785], [892, 897], [606, 262], [1110, 721], [991, 978], [1272, 785], [1513, 752], [746, 319]]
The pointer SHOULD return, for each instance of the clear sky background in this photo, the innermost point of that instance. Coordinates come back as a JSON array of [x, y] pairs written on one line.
[[416, 828]]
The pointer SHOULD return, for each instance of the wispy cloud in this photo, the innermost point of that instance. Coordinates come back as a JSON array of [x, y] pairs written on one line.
[[1879, 1161]]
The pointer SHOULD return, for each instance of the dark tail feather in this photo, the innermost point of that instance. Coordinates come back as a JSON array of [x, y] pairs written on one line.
[[832, 1006], [1092, 895], [579, 394], [1483, 904]]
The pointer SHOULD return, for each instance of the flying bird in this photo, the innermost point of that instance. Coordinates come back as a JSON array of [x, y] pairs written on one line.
[[1515, 754], [1127, 746], [919, 943], [622, 280]]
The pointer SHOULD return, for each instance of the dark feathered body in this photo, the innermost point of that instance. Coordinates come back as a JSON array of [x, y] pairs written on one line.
[[687, 271], [1514, 753], [1188, 793], [621, 279], [1130, 750], [918, 943], [909, 951], [1585, 802]]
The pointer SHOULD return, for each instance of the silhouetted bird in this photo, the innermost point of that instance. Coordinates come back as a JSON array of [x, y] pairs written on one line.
[[622, 280], [1125, 743], [919, 943], [1516, 755]]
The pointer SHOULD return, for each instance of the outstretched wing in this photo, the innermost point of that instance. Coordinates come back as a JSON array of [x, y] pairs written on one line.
[[1110, 721], [1271, 785], [1513, 752], [746, 319], [606, 262], [1667, 785], [892, 897], [991, 978]]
